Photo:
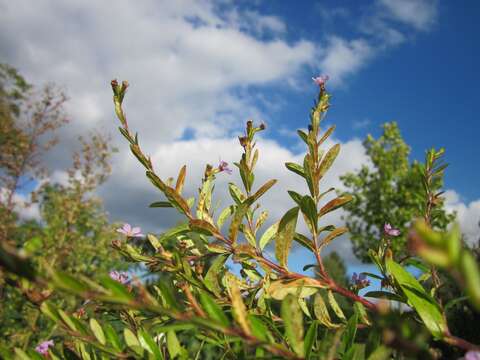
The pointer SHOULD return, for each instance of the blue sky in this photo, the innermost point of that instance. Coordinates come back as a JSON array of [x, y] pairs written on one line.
[[429, 85], [199, 69]]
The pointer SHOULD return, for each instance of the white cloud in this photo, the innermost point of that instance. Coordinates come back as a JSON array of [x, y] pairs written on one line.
[[22, 205], [343, 57], [421, 14], [468, 215], [186, 62]]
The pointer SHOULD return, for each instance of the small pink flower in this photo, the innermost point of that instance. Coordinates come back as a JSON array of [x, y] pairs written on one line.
[[128, 231], [42, 348], [360, 281], [120, 276], [472, 355], [223, 166], [389, 230], [320, 80]]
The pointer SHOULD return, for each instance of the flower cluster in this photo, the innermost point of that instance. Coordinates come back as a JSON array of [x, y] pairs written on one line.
[[360, 281], [121, 276], [320, 80], [43, 347], [223, 166], [390, 230]]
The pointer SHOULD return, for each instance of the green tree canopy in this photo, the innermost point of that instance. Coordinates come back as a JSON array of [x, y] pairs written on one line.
[[388, 191]]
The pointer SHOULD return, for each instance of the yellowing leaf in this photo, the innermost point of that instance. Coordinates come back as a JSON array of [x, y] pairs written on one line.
[[285, 234], [238, 307], [292, 316]]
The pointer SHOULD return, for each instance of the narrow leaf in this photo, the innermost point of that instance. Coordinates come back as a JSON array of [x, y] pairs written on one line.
[[292, 317], [285, 234], [421, 301], [97, 331], [268, 235]]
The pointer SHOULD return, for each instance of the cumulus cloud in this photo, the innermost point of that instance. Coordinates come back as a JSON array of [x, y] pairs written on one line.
[[22, 205], [421, 14], [468, 215], [188, 62], [344, 57]]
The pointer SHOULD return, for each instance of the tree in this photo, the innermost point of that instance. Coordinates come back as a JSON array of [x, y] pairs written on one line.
[[390, 191], [29, 119], [73, 232]]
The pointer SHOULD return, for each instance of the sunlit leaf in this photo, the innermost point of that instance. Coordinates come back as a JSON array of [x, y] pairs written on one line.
[[421, 301], [285, 234], [292, 317]]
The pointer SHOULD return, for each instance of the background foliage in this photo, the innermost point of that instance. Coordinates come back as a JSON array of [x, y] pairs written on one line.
[[192, 303]]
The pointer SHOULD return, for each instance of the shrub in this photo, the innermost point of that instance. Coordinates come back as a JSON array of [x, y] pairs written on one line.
[[198, 308]]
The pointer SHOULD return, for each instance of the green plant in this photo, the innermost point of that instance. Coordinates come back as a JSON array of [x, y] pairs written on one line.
[[198, 308]]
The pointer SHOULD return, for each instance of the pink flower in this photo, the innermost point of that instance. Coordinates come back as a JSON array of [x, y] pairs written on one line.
[[320, 80], [120, 276], [360, 281], [42, 348], [127, 230], [472, 355], [389, 230], [223, 166]]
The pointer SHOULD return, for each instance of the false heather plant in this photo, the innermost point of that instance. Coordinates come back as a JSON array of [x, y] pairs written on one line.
[[196, 307]]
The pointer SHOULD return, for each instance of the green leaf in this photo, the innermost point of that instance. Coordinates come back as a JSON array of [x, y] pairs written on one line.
[[326, 135], [147, 342], [301, 288], [350, 332], [97, 331], [303, 135], [295, 197], [211, 278], [328, 160], [321, 312], [263, 189], [68, 282], [181, 179], [292, 317], [132, 341], [334, 204], [152, 239], [238, 306], [173, 345], [237, 220], [268, 235], [384, 295], [297, 169], [118, 292], [362, 313], [203, 227], [174, 232], [67, 320], [112, 336], [335, 307], [332, 235], [49, 310], [308, 207], [204, 198], [214, 311], [285, 234], [470, 271], [33, 244], [304, 241], [225, 214], [419, 299], [380, 353], [236, 193], [176, 200], [21, 355], [167, 292], [161, 204], [310, 338], [259, 329]]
